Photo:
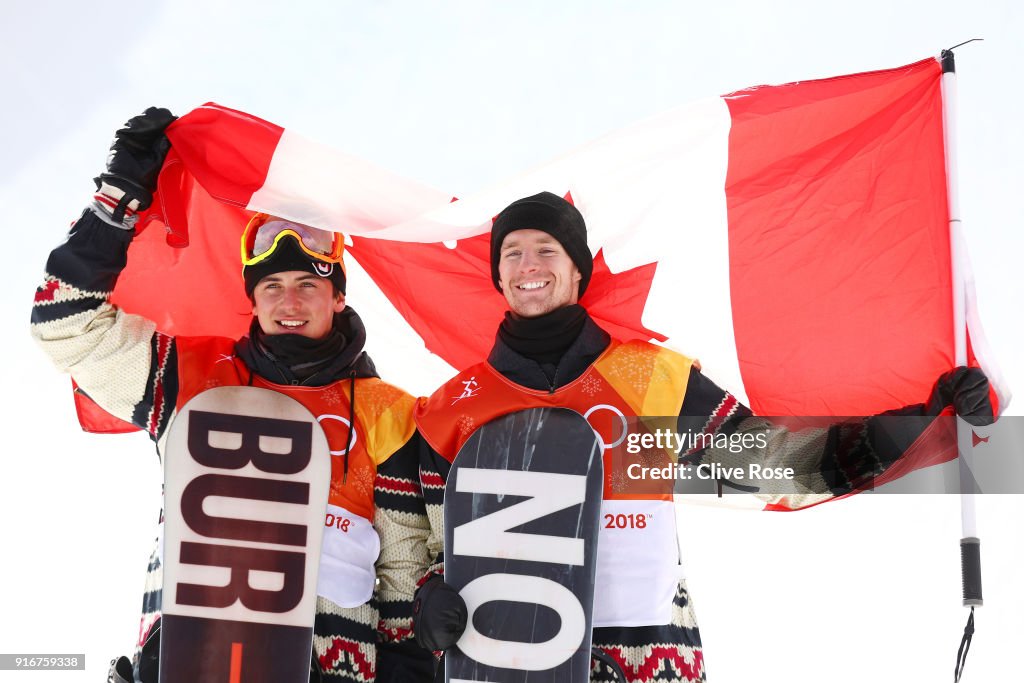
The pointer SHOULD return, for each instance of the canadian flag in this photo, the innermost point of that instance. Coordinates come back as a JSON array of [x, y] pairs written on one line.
[[795, 238]]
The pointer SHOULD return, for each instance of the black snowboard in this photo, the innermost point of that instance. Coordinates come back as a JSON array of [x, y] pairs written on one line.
[[522, 507], [246, 477]]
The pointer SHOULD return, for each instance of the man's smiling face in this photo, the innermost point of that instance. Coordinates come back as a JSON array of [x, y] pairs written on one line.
[[536, 274], [296, 302]]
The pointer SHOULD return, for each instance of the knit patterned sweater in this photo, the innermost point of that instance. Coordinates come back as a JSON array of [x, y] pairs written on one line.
[[132, 371]]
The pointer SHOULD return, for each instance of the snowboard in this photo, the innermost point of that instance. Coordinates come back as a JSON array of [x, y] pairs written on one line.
[[522, 507], [246, 478]]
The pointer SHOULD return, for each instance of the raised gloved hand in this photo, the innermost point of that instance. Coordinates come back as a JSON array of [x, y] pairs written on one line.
[[891, 433], [134, 162], [967, 390], [439, 615]]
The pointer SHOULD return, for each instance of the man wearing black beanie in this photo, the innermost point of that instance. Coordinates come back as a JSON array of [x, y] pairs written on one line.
[[550, 353], [551, 214], [304, 342]]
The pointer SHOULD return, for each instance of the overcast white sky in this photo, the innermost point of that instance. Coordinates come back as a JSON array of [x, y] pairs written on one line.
[[459, 95]]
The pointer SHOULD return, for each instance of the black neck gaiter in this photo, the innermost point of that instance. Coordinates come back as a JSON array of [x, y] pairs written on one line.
[[304, 357], [545, 338], [294, 359]]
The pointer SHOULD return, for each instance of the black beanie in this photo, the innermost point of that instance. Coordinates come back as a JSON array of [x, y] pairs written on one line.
[[289, 256], [551, 214]]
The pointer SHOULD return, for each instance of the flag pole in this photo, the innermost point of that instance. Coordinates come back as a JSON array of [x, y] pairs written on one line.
[[970, 545]]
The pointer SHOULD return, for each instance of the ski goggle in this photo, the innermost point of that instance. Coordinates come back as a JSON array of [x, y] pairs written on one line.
[[263, 233]]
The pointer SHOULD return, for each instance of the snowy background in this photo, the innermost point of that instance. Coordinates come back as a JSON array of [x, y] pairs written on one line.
[[459, 95]]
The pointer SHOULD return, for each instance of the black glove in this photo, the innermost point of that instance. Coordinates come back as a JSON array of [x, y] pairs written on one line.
[[135, 158], [967, 390], [439, 615], [891, 433], [120, 671]]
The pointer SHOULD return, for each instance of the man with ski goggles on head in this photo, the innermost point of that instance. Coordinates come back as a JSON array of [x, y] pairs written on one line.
[[304, 342]]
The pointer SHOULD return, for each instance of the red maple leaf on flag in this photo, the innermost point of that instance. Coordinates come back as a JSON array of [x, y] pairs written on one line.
[[617, 300], [427, 282]]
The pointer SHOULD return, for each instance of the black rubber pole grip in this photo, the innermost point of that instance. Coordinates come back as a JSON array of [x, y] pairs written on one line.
[[970, 569]]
